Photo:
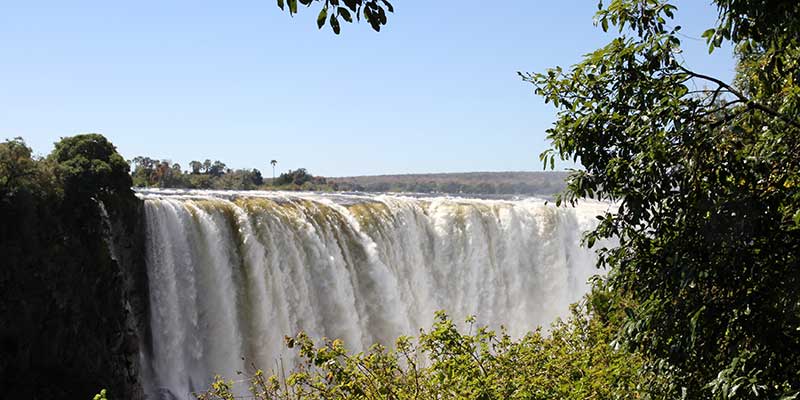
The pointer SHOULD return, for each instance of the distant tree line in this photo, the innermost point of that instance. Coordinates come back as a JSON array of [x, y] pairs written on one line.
[[148, 172]]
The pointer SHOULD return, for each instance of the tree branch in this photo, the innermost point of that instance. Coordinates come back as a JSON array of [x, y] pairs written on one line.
[[752, 105], [731, 117]]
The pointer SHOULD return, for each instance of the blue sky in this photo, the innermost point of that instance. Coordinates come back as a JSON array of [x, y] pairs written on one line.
[[242, 82]]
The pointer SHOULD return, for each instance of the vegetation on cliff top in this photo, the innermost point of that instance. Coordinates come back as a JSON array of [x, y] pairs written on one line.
[[61, 294], [148, 172]]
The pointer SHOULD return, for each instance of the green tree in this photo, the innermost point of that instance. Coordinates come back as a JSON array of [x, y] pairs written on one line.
[[165, 175], [143, 169], [196, 167], [17, 167], [217, 169], [239, 179], [298, 177], [255, 177], [90, 166], [707, 185]]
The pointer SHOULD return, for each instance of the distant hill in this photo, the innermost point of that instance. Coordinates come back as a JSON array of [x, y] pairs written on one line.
[[512, 182]]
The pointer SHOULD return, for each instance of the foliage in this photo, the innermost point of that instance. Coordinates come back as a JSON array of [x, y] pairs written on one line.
[[101, 395], [575, 361], [148, 172], [374, 11], [298, 177], [17, 168], [706, 176], [89, 165], [22, 177]]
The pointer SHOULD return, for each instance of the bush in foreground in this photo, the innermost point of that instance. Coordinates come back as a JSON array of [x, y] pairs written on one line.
[[574, 360]]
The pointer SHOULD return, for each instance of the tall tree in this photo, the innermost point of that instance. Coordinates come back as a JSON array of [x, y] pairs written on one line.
[[196, 167], [705, 173], [90, 167], [16, 165]]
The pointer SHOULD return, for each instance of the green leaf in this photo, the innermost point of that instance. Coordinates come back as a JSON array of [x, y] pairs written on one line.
[[351, 4], [382, 16], [629, 313], [373, 18], [292, 6], [280, 4], [345, 14], [693, 320], [335, 25], [323, 14]]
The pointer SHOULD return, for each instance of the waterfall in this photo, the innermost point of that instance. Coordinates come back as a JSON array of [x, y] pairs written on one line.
[[231, 273]]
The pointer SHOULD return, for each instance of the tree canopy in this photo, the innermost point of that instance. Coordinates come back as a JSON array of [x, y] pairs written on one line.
[[298, 177], [705, 173], [17, 167], [89, 165]]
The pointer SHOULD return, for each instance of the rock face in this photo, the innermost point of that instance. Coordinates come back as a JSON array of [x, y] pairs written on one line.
[[125, 239], [70, 285]]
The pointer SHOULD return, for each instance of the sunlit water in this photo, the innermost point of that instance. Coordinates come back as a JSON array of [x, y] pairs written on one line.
[[231, 273]]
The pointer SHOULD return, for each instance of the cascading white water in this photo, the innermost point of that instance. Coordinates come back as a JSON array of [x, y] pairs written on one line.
[[231, 273]]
